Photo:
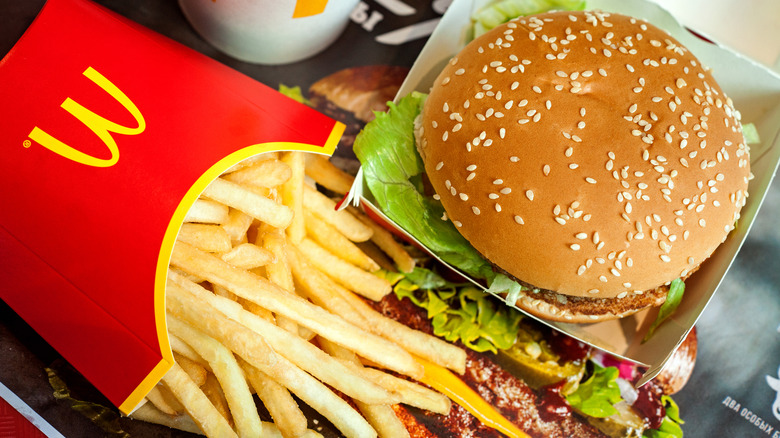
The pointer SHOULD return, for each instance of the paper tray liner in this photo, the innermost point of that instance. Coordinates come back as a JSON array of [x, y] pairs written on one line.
[[110, 132]]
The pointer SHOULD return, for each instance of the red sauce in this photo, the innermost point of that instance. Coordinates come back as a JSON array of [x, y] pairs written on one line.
[[650, 406], [568, 348], [553, 405]]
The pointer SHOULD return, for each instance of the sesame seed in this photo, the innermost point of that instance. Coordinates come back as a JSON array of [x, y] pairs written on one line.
[[603, 279], [546, 169], [537, 89], [506, 191], [475, 210], [471, 176], [458, 223], [560, 220], [498, 207], [460, 71], [514, 159], [665, 258], [574, 247], [581, 270], [439, 165], [464, 197], [493, 196], [498, 181], [529, 194]]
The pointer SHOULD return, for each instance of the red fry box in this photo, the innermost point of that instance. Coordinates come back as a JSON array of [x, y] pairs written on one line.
[[110, 132]]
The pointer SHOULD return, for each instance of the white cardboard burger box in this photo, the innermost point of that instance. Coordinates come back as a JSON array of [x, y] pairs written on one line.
[[755, 91]]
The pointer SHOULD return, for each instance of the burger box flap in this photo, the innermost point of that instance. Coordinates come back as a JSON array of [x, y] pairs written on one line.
[[110, 132], [755, 91]]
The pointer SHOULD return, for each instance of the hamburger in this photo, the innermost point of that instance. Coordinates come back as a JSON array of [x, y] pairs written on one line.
[[578, 162]]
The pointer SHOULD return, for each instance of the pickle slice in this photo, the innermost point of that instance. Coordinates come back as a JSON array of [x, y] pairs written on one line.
[[532, 360]]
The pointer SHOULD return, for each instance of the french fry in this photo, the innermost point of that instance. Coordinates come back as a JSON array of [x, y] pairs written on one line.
[[422, 344], [208, 237], [348, 275], [384, 240], [185, 423], [208, 419], [221, 291], [326, 174], [248, 256], [381, 417], [267, 173], [335, 242], [251, 161], [410, 393], [277, 399], [207, 212], [181, 348], [237, 225], [227, 371], [156, 397], [251, 203], [151, 414], [196, 371], [214, 392], [320, 289], [292, 194], [325, 209], [268, 295], [278, 272], [245, 343], [298, 351]]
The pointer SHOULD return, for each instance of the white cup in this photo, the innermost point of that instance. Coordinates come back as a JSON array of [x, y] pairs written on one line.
[[265, 31]]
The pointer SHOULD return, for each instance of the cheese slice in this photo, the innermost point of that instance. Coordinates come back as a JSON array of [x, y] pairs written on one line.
[[449, 384]]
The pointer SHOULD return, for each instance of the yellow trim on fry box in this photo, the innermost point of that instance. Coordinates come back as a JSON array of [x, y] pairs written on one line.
[[450, 385], [166, 248]]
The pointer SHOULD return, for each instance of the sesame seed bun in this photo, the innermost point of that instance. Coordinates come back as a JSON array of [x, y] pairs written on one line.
[[588, 155]]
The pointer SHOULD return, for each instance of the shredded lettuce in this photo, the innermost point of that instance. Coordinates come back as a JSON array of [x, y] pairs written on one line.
[[460, 312], [597, 395], [670, 428]]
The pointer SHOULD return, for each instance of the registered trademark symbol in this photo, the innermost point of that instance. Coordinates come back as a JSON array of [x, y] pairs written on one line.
[[27, 143]]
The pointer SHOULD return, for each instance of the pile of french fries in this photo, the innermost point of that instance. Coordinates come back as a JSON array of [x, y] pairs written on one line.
[[266, 299]]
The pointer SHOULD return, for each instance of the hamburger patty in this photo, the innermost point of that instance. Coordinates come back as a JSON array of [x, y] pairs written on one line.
[[512, 397]]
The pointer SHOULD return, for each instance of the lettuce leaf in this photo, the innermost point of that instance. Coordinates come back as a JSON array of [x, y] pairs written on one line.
[[461, 312], [393, 171], [597, 395], [500, 11], [673, 299], [670, 428]]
